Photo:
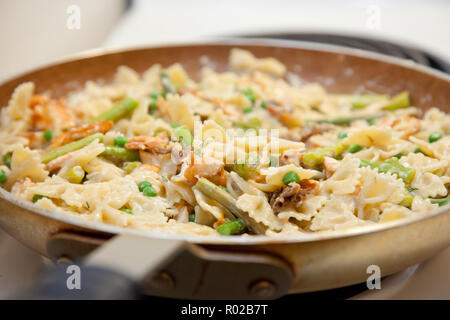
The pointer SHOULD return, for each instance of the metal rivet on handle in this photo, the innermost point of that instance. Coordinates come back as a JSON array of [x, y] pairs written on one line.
[[163, 281], [263, 289]]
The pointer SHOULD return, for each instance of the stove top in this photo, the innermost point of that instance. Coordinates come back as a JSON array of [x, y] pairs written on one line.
[[370, 44]]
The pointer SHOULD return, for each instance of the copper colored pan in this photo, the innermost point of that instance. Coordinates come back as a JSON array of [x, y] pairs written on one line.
[[236, 267]]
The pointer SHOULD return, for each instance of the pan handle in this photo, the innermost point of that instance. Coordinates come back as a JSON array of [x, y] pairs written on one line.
[[170, 268], [59, 283]]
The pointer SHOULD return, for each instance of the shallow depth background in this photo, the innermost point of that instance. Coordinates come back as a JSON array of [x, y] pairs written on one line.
[[33, 33]]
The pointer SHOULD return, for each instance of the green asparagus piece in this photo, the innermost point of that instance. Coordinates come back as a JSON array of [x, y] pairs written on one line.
[[75, 145], [314, 158], [392, 166], [183, 135], [347, 120], [441, 202], [126, 210], [232, 227], [362, 101], [252, 123], [204, 218], [75, 175], [120, 141], [398, 102], [247, 169], [120, 154], [119, 111], [7, 159], [130, 166], [407, 200], [3, 176], [225, 199]]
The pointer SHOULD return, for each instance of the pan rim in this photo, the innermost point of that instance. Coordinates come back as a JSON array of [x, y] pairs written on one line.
[[233, 240]]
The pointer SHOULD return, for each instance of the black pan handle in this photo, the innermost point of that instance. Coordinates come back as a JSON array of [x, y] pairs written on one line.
[[127, 264], [73, 282]]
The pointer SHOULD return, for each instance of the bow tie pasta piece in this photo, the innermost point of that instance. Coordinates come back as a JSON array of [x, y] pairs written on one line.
[[275, 175], [25, 163]]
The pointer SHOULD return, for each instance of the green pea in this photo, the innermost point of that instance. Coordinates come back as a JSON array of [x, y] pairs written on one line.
[[435, 136], [247, 110], [192, 217], [399, 155], [418, 150], [354, 148], [3, 176], [7, 159], [342, 135], [143, 184], [154, 94], [289, 177], [37, 197], [48, 135], [120, 141], [153, 105], [250, 95], [264, 104], [149, 192]]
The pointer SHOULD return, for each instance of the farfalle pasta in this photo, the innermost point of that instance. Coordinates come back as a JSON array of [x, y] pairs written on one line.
[[252, 150]]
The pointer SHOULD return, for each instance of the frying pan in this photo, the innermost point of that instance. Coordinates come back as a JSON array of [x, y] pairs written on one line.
[[123, 262]]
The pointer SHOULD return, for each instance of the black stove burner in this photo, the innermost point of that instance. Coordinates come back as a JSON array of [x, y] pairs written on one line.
[[374, 45]]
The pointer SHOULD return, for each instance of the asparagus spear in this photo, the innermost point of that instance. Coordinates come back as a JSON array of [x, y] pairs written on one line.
[[314, 158], [362, 101], [392, 166], [399, 101], [119, 153], [75, 175], [347, 120], [226, 200], [229, 228], [441, 202], [119, 111], [75, 145], [407, 200], [183, 135]]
